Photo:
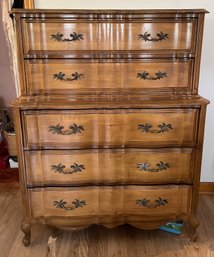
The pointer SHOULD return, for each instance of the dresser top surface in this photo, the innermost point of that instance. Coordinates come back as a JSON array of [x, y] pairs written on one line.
[[110, 10], [131, 12], [59, 102]]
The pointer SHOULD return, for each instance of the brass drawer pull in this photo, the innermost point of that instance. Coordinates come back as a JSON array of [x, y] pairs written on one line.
[[74, 76], [74, 168], [146, 203], [160, 166], [74, 37], [76, 204], [162, 128], [148, 37], [73, 129], [145, 75]]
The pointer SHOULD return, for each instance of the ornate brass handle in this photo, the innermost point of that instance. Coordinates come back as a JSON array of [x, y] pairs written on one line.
[[76, 204], [74, 37], [146, 203], [73, 129], [160, 166], [62, 169], [148, 37], [145, 75], [162, 128], [74, 76]]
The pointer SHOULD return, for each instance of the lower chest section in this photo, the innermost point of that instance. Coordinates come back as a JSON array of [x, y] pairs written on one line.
[[109, 166]]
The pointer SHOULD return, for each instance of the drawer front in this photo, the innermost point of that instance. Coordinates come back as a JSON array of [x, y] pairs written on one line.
[[137, 166], [59, 35], [67, 76], [119, 128], [100, 201], [148, 36], [56, 35]]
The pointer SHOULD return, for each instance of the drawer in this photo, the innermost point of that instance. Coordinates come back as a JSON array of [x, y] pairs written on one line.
[[125, 201], [109, 128], [59, 35], [108, 166], [56, 34], [156, 35], [136, 76]]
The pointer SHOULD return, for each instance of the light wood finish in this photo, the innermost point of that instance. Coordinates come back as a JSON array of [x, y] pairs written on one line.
[[107, 36], [110, 128], [98, 241], [185, 28], [111, 204], [29, 4], [103, 76], [116, 166], [112, 102], [111, 119], [38, 36]]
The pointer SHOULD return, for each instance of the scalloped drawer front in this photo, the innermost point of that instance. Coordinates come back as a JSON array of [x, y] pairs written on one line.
[[109, 128], [90, 76], [104, 166], [102, 201], [82, 35]]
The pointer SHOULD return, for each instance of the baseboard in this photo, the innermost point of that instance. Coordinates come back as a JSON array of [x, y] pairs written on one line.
[[9, 174], [207, 188]]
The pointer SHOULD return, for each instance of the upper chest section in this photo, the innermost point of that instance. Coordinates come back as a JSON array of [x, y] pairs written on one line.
[[152, 32], [114, 52]]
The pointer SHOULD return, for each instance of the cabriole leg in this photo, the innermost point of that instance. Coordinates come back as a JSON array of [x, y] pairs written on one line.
[[26, 228], [193, 225]]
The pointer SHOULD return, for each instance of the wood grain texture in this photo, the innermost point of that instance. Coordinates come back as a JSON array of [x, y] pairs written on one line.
[[110, 128], [108, 76], [109, 166], [98, 241], [169, 115], [29, 4], [107, 35], [110, 204], [185, 29], [21, 163], [194, 221], [102, 101], [124, 13]]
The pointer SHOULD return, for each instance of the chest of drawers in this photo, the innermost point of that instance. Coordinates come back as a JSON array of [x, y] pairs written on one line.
[[109, 123]]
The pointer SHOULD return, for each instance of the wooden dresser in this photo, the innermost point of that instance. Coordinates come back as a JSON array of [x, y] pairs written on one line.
[[109, 123]]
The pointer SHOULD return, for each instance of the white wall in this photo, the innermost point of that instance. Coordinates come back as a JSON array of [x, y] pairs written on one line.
[[207, 62]]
